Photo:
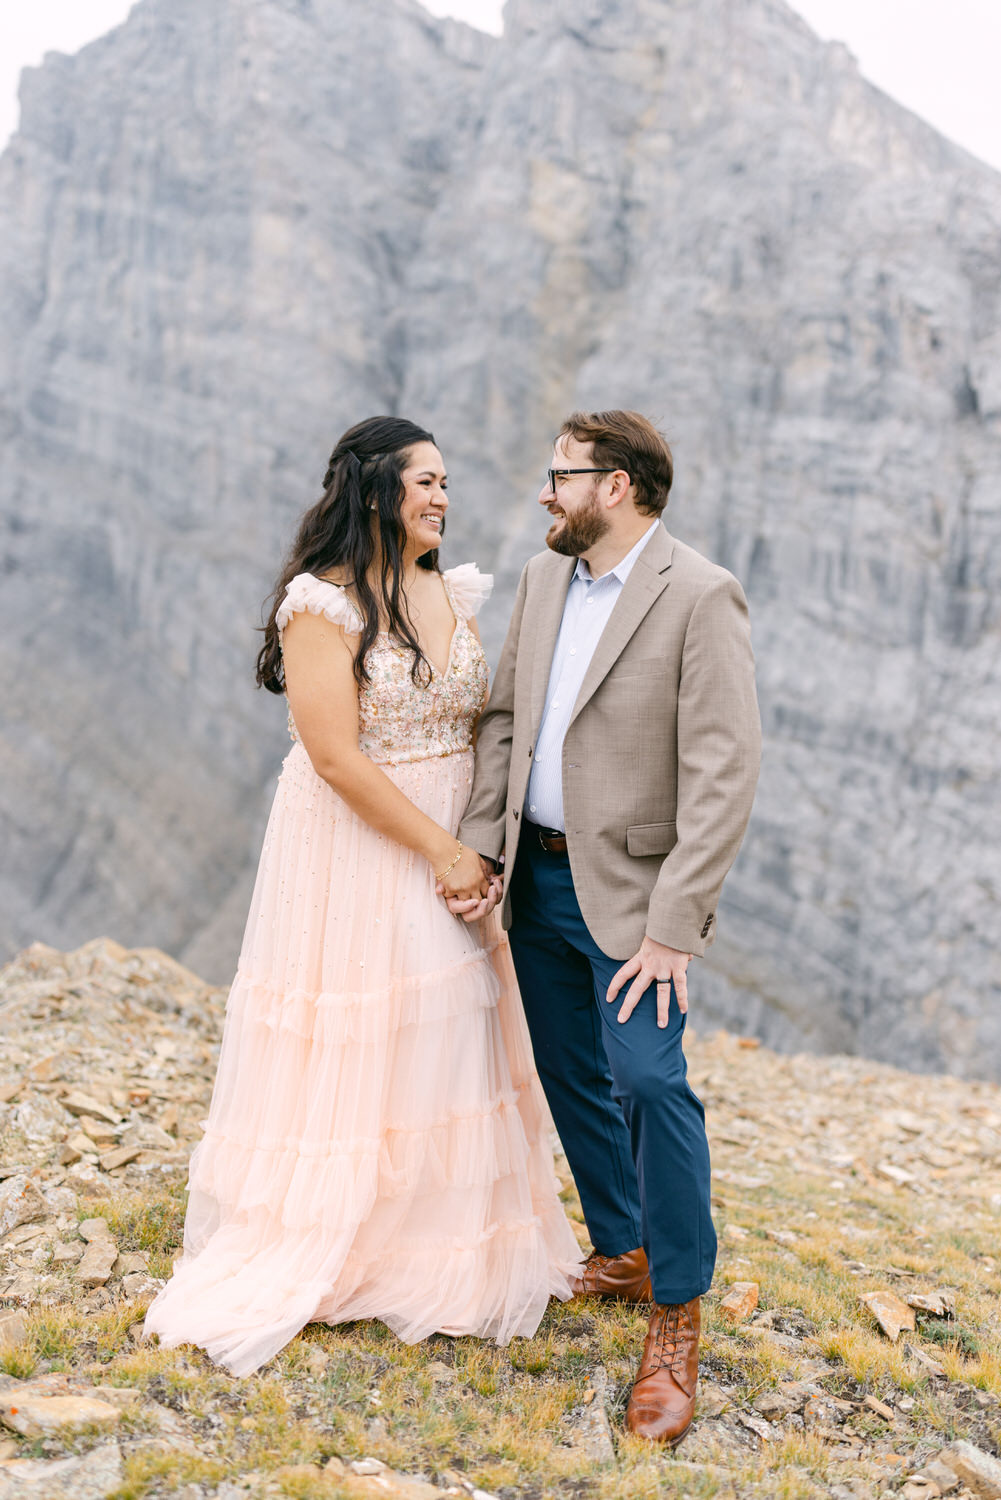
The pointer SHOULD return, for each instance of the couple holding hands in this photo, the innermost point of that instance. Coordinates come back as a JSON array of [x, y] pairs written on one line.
[[378, 1141]]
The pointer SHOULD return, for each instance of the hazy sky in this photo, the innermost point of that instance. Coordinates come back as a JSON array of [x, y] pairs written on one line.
[[939, 57]]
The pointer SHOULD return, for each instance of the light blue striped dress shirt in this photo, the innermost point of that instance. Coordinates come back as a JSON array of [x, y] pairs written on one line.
[[589, 603]]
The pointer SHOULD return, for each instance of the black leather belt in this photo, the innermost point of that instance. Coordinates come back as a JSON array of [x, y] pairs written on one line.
[[553, 840]]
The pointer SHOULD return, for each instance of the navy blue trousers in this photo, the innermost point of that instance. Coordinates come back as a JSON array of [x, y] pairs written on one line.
[[633, 1130]]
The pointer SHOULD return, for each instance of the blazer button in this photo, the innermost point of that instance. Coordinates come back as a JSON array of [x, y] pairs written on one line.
[[707, 924], [515, 815]]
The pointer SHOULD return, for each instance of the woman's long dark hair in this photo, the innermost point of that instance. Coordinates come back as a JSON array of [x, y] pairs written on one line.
[[359, 512]]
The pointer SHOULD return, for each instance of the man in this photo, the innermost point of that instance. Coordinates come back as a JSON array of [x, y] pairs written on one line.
[[615, 767]]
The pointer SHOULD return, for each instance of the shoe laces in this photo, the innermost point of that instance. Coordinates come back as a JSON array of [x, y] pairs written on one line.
[[670, 1337], [595, 1264]]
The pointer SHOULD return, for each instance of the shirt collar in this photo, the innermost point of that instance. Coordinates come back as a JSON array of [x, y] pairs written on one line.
[[624, 567]]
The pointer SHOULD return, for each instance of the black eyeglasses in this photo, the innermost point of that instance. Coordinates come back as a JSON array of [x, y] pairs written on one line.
[[555, 474]]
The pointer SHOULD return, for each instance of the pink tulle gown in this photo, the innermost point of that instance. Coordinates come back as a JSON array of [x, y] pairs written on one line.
[[377, 1144]]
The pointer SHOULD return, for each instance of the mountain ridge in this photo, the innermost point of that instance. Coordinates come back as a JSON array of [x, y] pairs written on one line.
[[265, 221]]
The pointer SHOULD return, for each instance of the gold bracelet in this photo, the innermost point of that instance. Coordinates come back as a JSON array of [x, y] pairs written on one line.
[[449, 868]]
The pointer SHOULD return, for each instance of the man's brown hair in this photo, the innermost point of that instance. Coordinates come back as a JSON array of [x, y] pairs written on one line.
[[625, 440]]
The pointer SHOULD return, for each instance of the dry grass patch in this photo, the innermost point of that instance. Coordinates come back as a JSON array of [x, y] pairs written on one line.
[[504, 1417], [152, 1221], [149, 1469]]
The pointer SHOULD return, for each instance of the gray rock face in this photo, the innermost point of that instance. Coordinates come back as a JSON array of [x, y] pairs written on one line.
[[229, 229], [206, 218]]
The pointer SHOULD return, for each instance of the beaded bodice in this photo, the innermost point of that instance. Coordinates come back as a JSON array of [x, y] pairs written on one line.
[[398, 719], [401, 720]]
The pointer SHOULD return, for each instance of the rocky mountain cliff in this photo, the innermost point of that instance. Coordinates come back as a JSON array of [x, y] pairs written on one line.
[[230, 228]]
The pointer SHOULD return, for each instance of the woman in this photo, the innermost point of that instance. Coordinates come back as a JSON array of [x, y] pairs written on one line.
[[377, 1144]]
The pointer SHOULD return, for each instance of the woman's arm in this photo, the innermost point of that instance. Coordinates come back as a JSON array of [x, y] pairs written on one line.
[[323, 696]]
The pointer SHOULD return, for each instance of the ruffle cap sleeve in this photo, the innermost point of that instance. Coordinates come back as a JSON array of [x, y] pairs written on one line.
[[318, 597], [468, 588]]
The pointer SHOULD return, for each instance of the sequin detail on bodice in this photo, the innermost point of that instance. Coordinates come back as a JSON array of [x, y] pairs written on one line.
[[400, 720]]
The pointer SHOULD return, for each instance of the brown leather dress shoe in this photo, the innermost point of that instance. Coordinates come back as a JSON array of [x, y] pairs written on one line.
[[662, 1403], [626, 1277]]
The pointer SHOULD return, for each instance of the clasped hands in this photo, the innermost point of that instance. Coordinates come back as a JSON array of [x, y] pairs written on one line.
[[472, 889]]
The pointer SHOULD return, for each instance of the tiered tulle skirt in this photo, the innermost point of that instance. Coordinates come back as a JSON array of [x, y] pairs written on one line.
[[377, 1144]]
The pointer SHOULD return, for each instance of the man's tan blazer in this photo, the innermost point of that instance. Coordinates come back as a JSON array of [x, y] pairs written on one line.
[[661, 756]]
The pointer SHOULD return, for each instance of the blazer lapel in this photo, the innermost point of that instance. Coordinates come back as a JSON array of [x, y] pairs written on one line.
[[648, 579], [545, 622]]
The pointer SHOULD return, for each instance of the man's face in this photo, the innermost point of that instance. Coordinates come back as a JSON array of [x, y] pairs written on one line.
[[579, 518]]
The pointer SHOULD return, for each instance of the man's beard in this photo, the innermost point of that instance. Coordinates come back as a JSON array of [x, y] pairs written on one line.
[[577, 533]]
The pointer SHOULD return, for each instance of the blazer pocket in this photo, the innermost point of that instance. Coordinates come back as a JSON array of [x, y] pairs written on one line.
[[635, 667], [651, 838]]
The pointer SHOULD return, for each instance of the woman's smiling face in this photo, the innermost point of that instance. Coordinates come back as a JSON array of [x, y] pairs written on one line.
[[425, 501]]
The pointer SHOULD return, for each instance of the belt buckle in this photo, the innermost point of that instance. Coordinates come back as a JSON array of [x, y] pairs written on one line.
[[548, 836]]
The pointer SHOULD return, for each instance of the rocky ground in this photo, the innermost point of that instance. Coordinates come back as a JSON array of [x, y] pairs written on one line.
[[853, 1343]]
